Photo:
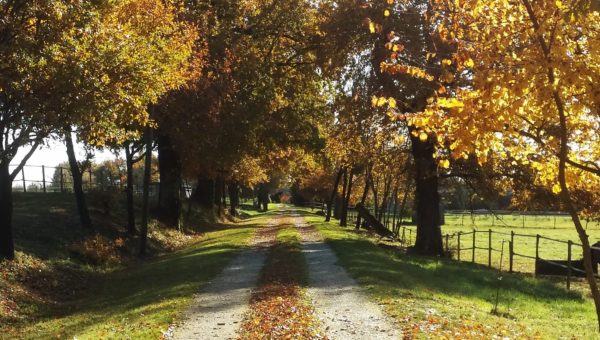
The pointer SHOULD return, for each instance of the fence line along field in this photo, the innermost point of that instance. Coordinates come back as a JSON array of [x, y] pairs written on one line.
[[520, 227], [514, 219]]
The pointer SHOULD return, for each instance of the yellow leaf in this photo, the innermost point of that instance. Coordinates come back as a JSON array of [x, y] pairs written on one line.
[[469, 63], [423, 136], [372, 27], [392, 102], [556, 189], [381, 101], [386, 13], [444, 163]]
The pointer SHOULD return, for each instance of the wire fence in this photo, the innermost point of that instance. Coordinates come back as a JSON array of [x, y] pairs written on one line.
[[523, 252]]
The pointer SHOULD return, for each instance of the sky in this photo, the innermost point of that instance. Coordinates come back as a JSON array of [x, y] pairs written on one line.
[[50, 156]]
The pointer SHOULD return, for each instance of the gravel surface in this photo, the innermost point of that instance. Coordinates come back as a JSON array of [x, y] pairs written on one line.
[[218, 311], [340, 304]]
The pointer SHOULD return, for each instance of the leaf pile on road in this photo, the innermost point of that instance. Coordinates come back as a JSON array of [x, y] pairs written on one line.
[[279, 308]]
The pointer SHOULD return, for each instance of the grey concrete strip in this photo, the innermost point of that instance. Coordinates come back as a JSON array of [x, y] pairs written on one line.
[[218, 312], [340, 303]]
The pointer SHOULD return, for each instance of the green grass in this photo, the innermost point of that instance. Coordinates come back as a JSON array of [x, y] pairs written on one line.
[[413, 287], [140, 302], [137, 299]]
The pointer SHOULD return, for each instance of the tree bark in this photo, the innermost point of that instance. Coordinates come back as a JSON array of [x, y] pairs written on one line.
[[263, 197], [333, 194], [7, 245], [344, 219], [169, 192], [84, 214], [146, 191], [219, 195], [234, 197], [129, 190], [339, 200], [427, 199], [204, 193], [363, 198]]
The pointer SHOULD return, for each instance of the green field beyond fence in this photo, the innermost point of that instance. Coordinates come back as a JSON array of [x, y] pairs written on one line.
[[486, 238]]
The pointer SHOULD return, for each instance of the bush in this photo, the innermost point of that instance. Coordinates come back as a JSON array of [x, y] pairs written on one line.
[[107, 201], [97, 249]]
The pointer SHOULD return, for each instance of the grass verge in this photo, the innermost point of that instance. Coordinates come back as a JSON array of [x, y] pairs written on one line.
[[141, 301], [443, 298]]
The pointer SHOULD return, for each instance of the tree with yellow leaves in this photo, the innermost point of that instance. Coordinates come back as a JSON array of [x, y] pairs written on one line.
[[518, 84]]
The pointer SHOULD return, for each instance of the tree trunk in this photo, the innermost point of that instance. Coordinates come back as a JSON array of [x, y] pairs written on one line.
[[219, 195], [169, 192], [146, 191], [129, 190], [84, 214], [224, 191], [375, 188], [344, 219], [427, 199], [7, 246], [333, 194], [363, 198], [263, 197], [234, 197], [339, 200], [204, 193]]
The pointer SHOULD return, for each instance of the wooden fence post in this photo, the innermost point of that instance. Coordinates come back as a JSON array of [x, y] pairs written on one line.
[[523, 221], [569, 244], [23, 178], [447, 247], [511, 251], [537, 248], [90, 173], [62, 180], [409, 236], [473, 249], [458, 251], [44, 178], [403, 235], [490, 249]]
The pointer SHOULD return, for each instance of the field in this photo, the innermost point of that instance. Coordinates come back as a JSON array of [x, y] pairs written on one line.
[[554, 231]]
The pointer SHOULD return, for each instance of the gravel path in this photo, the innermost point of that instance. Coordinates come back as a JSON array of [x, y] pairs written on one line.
[[344, 310], [218, 311]]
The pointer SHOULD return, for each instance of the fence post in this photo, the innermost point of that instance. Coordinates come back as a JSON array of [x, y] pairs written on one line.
[[447, 248], [473, 249], [523, 220], [537, 249], [62, 180], [403, 235], [458, 251], [511, 251], [462, 219], [554, 221], [23, 178], [490, 249], [569, 244], [44, 178], [90, 173], [409, 236]]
